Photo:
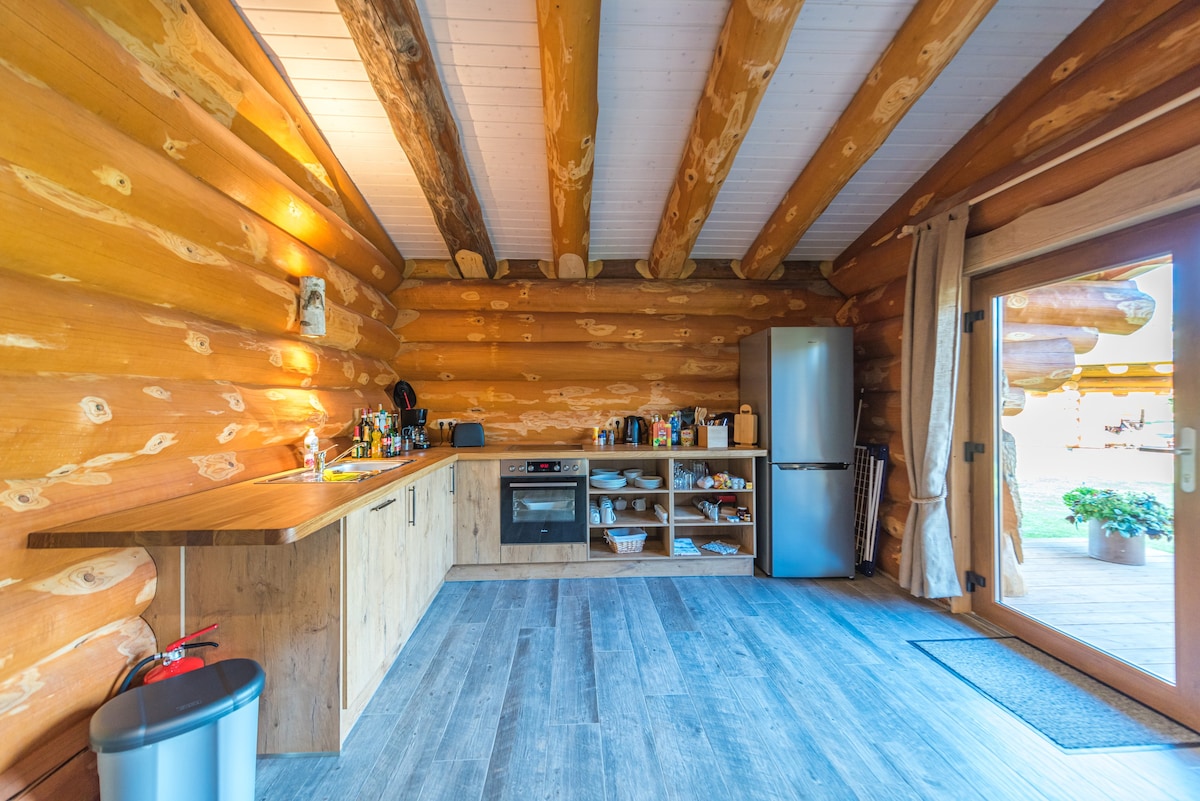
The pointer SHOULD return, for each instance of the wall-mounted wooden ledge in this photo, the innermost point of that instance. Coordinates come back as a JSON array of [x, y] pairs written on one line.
[[246, 513]]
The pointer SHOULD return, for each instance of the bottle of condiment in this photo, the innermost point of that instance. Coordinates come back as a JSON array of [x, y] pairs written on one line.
[[311, 445]]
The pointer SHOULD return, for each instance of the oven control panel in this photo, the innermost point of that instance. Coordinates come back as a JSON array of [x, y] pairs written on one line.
[[542, 467]]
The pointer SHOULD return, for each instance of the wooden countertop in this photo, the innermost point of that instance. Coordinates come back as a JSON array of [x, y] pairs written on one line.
[[255, 513]]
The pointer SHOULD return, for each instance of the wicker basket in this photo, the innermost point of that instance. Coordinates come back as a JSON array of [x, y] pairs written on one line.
[[625, 540]]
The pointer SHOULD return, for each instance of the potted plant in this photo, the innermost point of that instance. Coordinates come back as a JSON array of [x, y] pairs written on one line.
[[1118, 522]]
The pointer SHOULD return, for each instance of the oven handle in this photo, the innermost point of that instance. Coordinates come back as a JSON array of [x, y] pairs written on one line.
[[542, 484]]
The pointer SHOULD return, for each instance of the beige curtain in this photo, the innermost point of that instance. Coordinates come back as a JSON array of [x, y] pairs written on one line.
[[928, 375]]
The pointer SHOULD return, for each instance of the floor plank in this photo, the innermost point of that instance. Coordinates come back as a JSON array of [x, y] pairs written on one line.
[[640, 689]]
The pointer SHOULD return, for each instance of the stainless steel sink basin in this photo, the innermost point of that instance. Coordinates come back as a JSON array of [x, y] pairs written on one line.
[[342, 472]]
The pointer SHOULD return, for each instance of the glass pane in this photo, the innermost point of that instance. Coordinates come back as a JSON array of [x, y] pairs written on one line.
[[1087, 492]]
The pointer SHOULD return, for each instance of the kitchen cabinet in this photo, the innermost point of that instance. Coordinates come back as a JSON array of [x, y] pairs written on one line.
[[477, 512], [325, 615]]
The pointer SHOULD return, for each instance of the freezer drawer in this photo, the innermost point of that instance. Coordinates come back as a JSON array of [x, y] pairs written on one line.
[[809, 532]]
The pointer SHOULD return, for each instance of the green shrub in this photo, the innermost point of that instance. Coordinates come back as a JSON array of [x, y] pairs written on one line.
[[1129, 514]]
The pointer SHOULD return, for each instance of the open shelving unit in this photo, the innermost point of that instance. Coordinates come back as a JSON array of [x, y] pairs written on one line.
[[683, 518]]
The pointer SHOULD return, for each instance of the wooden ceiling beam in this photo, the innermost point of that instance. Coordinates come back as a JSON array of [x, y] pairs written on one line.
[[924, 45], [230, 28], [1106, 28], [749, 49], [569, 40], [392, 44]]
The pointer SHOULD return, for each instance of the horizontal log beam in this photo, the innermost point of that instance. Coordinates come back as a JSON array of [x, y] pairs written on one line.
[[878, 375], [72, 596], [1112, 307], [173, 41], [925, 43], [1091, 42], [873, 268], [392, 44], [101, 167], [878, 339], [1038, 365], [498, 326], [882, 303], [563, 361], [91, 333], [89, 423], [1083, 338], [755, 300], [605, 398], [881, 411], [749, 49], [226, 23], [56, 45]]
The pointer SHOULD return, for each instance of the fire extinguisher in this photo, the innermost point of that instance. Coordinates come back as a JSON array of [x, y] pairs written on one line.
[[174, 663]]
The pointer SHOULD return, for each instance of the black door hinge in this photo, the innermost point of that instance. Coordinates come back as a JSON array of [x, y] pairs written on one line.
[[970, 449], [969, 320], [975, 580]]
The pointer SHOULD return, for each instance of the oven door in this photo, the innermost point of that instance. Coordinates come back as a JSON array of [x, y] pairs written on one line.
[[535, 511]]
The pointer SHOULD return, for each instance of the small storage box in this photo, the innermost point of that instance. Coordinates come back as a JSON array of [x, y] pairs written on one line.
[[625, 540], [712, 436]]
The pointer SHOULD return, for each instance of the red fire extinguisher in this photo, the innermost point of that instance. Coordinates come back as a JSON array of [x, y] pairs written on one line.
[[174, 663]]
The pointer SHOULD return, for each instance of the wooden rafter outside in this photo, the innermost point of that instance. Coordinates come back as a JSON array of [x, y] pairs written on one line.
[[569, 40], [395, 50], [924, 45], [751, 44]]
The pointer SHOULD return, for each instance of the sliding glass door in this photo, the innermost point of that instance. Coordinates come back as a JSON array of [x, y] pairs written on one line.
[[1084, 397]]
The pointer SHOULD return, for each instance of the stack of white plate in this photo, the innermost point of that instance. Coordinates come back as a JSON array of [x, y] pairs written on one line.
[[648, 482], [610, 482], [605, 472]]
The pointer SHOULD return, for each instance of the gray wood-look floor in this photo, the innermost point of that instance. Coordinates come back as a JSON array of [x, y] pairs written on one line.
[[698, 688], [1125, 610]]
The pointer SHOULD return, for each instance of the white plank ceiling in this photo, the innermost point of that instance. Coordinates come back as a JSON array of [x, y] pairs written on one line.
[[654, 57]]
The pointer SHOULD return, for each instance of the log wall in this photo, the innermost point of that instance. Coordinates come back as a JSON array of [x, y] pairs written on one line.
[[157, 208], [1095, 61], [547, 361]]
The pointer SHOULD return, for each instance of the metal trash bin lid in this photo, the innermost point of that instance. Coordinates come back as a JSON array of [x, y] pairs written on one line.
[[155, 712]]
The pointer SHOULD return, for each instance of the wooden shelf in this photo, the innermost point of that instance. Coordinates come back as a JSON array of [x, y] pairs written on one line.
[[699, 541], [700, 530]]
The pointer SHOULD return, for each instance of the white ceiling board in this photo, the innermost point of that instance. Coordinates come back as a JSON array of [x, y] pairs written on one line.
[[306, 43], [654, 59], [1010, 41], [505, 149]]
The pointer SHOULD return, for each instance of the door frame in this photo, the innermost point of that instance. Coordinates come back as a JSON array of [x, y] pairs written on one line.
[[1178, 235]]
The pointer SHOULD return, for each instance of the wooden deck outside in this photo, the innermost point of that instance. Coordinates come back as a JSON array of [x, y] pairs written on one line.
[[1125, 611]]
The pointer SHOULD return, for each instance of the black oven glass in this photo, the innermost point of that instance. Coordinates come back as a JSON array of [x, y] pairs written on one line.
[[543, 510]]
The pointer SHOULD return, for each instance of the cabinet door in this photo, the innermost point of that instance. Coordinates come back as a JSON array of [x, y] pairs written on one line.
[[373, 551], [429, 526], [477, 513]]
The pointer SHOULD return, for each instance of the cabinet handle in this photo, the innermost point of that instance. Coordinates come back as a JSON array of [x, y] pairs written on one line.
[[453, 478], [412, 520], [388, 502]]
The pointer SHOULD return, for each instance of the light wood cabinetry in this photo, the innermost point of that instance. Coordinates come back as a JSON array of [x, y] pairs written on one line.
[[684, 519], [325, 615], [477, 513]]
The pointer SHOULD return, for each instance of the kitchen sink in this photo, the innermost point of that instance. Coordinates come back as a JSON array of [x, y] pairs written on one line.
[[536, 448], [341, 472]]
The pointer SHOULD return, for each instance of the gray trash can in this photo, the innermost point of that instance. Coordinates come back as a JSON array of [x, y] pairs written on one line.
[[193, 737]]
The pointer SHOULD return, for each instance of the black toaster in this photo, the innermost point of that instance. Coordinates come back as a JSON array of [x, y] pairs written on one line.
[[467, 435]]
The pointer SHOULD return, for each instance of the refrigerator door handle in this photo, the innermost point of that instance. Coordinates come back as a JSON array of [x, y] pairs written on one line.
[[812, 465]]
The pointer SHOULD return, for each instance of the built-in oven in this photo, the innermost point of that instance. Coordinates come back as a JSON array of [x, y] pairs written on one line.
[[543, 501]]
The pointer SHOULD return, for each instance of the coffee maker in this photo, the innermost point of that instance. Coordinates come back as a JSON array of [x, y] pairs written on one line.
[[412, 427]]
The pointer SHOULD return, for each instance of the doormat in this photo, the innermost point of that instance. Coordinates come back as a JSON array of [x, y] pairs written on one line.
[[1069, 708]]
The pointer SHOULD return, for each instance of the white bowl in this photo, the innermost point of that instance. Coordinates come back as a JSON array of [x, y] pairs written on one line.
[[631, 473], [648, 482]]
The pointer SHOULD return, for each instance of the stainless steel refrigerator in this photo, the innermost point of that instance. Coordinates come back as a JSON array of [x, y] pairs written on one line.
[[799, 382]]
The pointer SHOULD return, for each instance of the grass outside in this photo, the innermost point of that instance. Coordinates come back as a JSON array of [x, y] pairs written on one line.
[[1044, 514]]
